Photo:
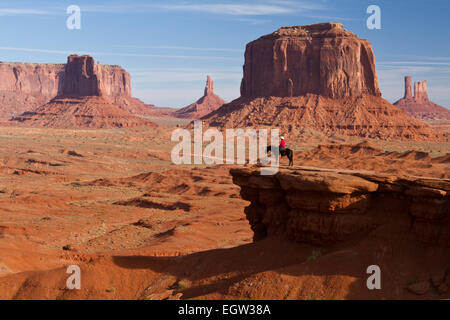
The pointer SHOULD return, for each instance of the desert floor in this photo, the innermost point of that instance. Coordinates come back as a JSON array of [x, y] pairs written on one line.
[[140, 227]]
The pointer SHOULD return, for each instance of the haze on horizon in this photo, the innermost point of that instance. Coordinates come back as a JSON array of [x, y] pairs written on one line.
[[170, 46]]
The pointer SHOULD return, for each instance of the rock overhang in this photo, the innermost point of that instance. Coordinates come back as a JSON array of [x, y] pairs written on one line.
[[324, 207]]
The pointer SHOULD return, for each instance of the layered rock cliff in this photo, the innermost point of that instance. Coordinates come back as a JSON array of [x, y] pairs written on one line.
[[80, 77], [322, 59], [320, 79], [115, 80], [87, 99], [205, 105], [24, 86], [325, 207], [419, 106]]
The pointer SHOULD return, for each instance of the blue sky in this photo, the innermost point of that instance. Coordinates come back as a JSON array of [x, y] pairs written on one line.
[[170, 46]]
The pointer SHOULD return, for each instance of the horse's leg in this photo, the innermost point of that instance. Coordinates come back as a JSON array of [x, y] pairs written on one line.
[[291, 158]]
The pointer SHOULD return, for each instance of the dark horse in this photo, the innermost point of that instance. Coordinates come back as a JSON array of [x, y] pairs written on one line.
[[285, 153]]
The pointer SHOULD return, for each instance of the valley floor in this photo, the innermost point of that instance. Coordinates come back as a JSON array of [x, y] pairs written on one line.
[[140, 227]]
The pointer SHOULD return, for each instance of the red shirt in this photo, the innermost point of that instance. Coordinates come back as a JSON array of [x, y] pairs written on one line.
[[283, 144]]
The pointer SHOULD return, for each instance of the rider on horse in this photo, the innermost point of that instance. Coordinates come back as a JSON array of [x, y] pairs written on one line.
[[282, 145], [283, 151]]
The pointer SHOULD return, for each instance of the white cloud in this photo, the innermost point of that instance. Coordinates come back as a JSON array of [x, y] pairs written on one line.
[[242, 8], [230, 9], [182, 48], [422, 58], [119, 54], [333, 18], [254, 21], [16, 12], [248, 11], [414, 63]]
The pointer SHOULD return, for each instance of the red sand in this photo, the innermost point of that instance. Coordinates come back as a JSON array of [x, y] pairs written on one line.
[[141, 228]]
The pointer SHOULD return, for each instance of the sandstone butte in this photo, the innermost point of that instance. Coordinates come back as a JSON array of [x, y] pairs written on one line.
[[89, 96], [318, 77], [25, 86], [205, 105], [419, 106]]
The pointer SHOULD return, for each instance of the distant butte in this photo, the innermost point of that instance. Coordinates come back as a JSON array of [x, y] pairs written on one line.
[[205, 105], [316, 79], [83, 101], [322, 59], [419, 106], [26, 86]]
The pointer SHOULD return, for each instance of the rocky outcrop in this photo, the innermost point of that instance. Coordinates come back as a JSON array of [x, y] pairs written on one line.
[[80, 77], [205, 105], [320, 79], [25, 86], [322, 59], [421, 92], [324, 207], [209, 89], [408, 91], [298, 118], [83, 101], [364, 156], [116, 81], [420, 106], [84, 112]]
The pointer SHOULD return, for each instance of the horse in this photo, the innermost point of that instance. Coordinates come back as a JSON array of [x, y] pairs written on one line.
[[285, 153]]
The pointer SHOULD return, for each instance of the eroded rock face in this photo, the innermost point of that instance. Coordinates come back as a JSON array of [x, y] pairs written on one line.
[[320, 80], [116, 82], [324, 207], [205, 105], [209, 89], [421, 92], [322, 59], [419, 106], [25, 86], [92, 96], [84, 112], [408, 91], [81, 77], [367, 116]]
